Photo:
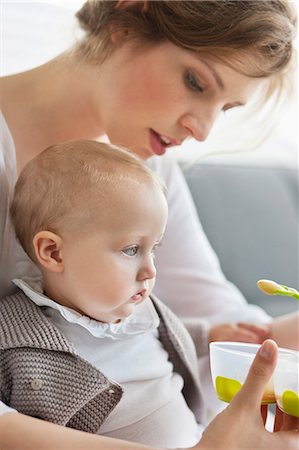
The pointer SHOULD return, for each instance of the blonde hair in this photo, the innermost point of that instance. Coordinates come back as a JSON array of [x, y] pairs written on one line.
[[255, 37], [69, 185]]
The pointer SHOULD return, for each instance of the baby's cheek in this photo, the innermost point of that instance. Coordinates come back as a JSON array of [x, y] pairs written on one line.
[[151, 285]]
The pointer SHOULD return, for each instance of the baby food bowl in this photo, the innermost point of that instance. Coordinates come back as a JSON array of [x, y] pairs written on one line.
[[286, 383], [230, 363]]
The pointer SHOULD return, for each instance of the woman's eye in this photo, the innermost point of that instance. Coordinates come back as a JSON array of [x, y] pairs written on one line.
[[130, 251], [192, 82], [229, 107]]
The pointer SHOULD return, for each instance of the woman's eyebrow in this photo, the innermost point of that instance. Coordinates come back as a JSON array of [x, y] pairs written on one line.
[[215, 75]]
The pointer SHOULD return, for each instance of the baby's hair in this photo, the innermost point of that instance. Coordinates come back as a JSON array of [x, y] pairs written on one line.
[[255, 37], [69, 185]]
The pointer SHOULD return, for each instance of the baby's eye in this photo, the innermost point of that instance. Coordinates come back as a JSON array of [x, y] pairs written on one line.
[[130, 251], [192, 82]]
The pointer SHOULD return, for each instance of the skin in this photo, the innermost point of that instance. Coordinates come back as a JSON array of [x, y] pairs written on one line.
[[121, 251], [289, 322], [241, 332]]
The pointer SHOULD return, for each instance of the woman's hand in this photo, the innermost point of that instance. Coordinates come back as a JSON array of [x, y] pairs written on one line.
[[240, 425], [240, 332]]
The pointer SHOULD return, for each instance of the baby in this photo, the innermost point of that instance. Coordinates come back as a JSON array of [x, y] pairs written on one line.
[[90, 347]]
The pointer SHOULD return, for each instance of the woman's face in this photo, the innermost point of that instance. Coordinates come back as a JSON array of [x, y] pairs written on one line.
[[153, 98]]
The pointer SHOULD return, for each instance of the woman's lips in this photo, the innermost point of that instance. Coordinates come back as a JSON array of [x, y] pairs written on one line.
[[159, 143]]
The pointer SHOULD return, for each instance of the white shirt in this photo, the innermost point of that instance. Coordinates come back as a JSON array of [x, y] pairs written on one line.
[[152, 410], [14, 262]]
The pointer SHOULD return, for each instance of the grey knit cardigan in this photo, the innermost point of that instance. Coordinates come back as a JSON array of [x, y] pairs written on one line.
[[42, 376]]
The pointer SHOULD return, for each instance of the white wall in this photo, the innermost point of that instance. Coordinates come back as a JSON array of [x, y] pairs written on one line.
[[32, 32]]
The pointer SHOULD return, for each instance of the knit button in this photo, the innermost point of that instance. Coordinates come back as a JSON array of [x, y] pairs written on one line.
[[36, 384], [111, 391]]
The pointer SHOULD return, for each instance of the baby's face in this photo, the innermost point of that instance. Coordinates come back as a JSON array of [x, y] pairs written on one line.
[[111, 269]]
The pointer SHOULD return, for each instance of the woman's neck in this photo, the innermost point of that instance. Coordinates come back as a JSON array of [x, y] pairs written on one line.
[[47, 105]]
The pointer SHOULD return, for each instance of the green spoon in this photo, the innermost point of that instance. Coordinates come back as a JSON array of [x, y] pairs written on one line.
[[272, 288]]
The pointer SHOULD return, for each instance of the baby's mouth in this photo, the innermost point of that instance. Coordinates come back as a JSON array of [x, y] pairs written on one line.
[[139, 296]]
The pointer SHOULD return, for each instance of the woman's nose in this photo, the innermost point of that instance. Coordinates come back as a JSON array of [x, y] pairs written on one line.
[[199, 126], [147, 270]]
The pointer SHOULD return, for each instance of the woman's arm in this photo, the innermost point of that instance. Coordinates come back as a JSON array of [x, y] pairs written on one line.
[[20, 432], [285, 330]]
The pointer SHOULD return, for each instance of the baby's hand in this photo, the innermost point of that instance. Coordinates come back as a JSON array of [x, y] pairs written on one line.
[[240, 332]]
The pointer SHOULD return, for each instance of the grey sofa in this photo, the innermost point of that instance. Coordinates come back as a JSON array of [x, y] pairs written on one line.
[[250, 215]]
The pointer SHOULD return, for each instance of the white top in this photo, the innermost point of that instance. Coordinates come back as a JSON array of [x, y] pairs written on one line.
[[189, 276], [152, 410], [14, 262]]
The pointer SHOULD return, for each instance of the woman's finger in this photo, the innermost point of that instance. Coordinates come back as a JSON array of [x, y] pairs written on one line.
[[242, 335], [260, 330]]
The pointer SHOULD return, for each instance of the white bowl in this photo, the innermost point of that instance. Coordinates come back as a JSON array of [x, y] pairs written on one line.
[[230, 363]]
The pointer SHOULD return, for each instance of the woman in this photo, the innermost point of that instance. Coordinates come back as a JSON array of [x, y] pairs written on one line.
[[149, 75]]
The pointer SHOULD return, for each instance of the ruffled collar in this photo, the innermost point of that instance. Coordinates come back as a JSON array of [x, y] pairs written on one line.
[[143, 319]]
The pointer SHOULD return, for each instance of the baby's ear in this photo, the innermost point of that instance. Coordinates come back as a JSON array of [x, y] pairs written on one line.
[[48, 250]]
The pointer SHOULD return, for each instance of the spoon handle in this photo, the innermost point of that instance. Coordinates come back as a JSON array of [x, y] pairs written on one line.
[[292, 292]]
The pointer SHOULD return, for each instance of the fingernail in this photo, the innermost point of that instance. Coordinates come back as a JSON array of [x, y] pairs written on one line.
[[267, 350]]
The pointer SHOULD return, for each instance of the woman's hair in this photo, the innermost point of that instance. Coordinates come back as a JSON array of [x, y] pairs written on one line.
[[252, 36], [69, 186]]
